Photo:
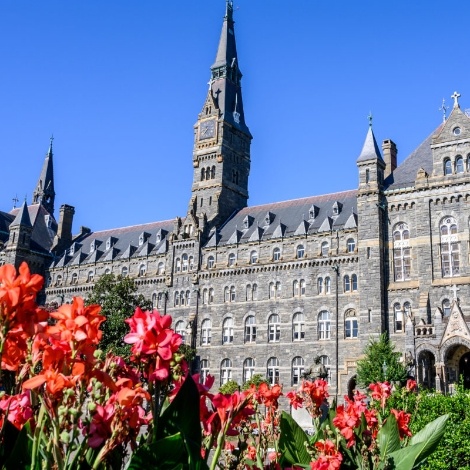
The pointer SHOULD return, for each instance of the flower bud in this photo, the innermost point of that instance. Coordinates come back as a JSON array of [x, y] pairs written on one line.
[[91, 406], [65, 437]]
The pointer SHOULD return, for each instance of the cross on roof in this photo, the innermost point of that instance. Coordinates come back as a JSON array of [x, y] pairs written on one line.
[[370, 118], [454, 289], [15, 201], [456, 97]]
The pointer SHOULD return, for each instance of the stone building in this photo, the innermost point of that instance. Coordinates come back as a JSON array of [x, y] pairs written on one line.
[[270, 289]]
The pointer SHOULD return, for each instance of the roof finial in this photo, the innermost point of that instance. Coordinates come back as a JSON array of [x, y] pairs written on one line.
[[51, 138], [15, 201], [456, 97], [229, 8], [370, 118], [444, 109]]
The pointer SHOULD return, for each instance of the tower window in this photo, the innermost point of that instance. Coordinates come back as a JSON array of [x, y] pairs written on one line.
[[300, 251], [459, 164], [324, 325], [447, 166]]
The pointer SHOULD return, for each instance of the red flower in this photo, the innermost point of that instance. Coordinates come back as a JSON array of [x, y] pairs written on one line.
[[151, 336], [55, 382], [348, 419], [411, 385], [380, 392], [329, 458], [316, 393], [402, 420], [295, 399], [18, 407]]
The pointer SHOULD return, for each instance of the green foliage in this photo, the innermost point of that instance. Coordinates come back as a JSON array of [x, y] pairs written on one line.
[[118, 299], [292, 442], [427, 406], [256, 380], [381, 363], [229, 387]]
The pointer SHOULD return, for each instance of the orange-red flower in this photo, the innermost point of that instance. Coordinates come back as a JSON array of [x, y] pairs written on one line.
[[55, 382], [380, 392], [403, 420], [329, 457]]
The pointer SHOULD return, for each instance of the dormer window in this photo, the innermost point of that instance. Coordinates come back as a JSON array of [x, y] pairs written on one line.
[[268, 218], [108, 243], [247, 221], [337, 206], [92, 246], [48, 221], [159, 237], [72, 250], [312, 212], [142, 238]]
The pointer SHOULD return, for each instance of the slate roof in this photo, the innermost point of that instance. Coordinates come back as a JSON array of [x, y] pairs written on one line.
[[124, 243], [5, 221], [370, 149], [405, 174], [42, 235], [289, 218]]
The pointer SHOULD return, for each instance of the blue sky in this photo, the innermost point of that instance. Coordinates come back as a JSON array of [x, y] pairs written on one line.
[[120, 84]]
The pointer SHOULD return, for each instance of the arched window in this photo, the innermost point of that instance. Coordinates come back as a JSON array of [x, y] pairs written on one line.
[[273, 370], [298, 327], [367, 175], [182, 298], [210, 262], [327, 285], [160, 298], [124, 271], [107, 271], [178, 265], [161, 268], [450, 248], [351, 325], [401, 252], [276, 254], [203, 174], [320, 285], [74, 278], [325, 248], [250, 329], [232, 294], [351, 245], [177, 299], [90, 277], [213, 172], [205, 296], [255, 291], [154, 301], [354, 282], [459, 167], [297, 369], [325, 360], [231, 259], [204, 370], [142, 270], [191, 263], [211, 295], [296, 288], [184, 259], [248, 293], [180, 328], [346, 283], [248, 369], [226, 294], [324, 325], [206, 332], [253, 257], [398, 314], [272, 290], [302, 287], [58, 281], [300, 251], [188, 297], [225, 371], [446, 307], [447, 166], [227, 331], [274, 328]]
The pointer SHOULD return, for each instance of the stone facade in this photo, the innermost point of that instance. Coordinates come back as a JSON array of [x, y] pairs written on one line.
[[270, 289]]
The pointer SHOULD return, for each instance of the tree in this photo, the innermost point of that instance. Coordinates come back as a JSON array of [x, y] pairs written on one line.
[[118, 299], [381, 363], [229, 387], [256, 380]]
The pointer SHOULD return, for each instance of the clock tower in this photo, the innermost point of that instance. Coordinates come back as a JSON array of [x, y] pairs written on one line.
[[221, 155]]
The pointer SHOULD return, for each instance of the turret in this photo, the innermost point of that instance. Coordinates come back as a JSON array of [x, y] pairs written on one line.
[[44, 193]]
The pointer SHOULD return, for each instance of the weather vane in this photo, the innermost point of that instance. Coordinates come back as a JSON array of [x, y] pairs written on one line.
[[444, 109], [15, 201]]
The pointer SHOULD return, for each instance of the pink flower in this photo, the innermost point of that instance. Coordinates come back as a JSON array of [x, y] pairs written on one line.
[[380, 392]]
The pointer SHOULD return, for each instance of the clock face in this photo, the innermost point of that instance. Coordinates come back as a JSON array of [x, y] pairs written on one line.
[[207, 129]]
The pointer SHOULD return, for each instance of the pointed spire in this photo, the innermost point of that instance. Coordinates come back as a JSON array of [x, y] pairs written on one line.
[[22, 219], [370, 150], [227, 50], [44, 193]]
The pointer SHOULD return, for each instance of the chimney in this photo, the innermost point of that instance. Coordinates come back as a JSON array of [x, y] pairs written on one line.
[[64, 229], [389, 150]]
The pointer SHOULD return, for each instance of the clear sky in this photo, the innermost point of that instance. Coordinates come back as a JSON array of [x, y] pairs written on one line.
[[120, 83]]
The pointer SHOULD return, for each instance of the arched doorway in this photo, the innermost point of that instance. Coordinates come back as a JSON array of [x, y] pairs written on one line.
[[426, 369], [464, 370]]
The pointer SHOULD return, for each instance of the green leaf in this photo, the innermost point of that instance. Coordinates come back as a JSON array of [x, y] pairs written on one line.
[[182, 416], [20, 456], [389, 437], [430, 435], [292, 441], [421, 445], [164, 454]]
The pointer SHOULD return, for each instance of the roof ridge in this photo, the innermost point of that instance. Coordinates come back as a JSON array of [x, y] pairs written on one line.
[[132, 226]]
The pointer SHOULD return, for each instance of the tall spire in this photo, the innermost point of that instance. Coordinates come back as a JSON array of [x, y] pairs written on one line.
[[225, 83], [370, 150], [44, 193]]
